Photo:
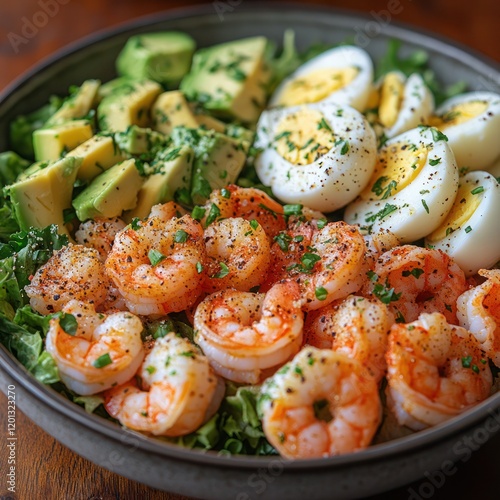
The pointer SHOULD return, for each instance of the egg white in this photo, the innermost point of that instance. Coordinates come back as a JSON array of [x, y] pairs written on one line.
[[334, 179], [475, 142], [418, 208], [494, 169], [354, 94], [416, 107], [476, 243]]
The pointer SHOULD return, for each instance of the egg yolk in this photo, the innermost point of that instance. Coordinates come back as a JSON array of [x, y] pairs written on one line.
[[391, 96], [458, 114], [304, 136], [397, 165], [466, 203], [317, 85]]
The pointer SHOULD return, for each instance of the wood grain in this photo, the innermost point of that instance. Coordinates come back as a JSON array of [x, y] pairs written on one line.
[[48, 470]]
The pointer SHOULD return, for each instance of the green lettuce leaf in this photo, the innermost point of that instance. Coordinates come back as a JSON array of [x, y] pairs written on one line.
[[45, 369], [22, 128]]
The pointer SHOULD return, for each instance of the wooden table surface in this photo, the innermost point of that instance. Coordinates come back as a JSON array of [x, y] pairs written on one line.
[[48, 470]]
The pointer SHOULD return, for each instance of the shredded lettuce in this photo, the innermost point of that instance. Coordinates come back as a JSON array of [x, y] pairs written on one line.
[[22, 128], [235, 429], [416, 62], [290, 58]]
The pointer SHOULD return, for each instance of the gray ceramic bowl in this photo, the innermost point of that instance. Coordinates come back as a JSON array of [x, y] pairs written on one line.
[[167, 467]]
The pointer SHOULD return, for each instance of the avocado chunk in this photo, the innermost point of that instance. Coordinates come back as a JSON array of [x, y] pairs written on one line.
[[142, 142], [164, 57], [77, 105], [40, 199], [172, 110], [110, 193], [50, 143], [170, 182], [218, 161], [98, 154], [230, 79], [116, 86], [128, 105]]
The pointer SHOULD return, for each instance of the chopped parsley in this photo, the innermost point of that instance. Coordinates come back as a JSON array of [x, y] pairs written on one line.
[[224, 271]]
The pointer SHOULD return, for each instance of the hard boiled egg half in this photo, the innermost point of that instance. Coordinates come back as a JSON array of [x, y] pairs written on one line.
[[319, 155], [472, 124], [471, 231], [404, 103], [342, 75], [412, 189]]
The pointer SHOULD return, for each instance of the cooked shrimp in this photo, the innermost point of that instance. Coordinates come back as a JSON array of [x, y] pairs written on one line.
[[318, 326], [178, 386], [238, 254], [357, 327], [245, 333], [99, 234], [248, 203], [328, 263], [435, 371], [105, 350], [360, 331], [73, 272], [320, 404], [479, 312], [157, 266], [167, 211], [412, 280], [381, 241]]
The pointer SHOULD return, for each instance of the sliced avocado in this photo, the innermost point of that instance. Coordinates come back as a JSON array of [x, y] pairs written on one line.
[[172, 110], [40, 199], [115, 86], [209, 122], [219, 160], [110, 193], [171, 181], [163, 57], [34, 167], [50, 143], [127, 105], [141, 141], [244, 135], [98, 154], [230, 79], [77, 105]]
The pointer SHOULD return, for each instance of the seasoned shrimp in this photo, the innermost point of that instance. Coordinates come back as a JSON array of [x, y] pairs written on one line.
[[99, 234], [167, 211], [157, 266], [73, 272], [328, 263], [360, 331], [244, 333], [479, 312], [238, 254], [320, 404], [178, 386], [357, 327], [435, 371], [105, 350], [412, 280], [318, 326], [248, 203]]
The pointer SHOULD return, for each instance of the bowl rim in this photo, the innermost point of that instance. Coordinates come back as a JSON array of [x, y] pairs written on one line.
[[393, 448]]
